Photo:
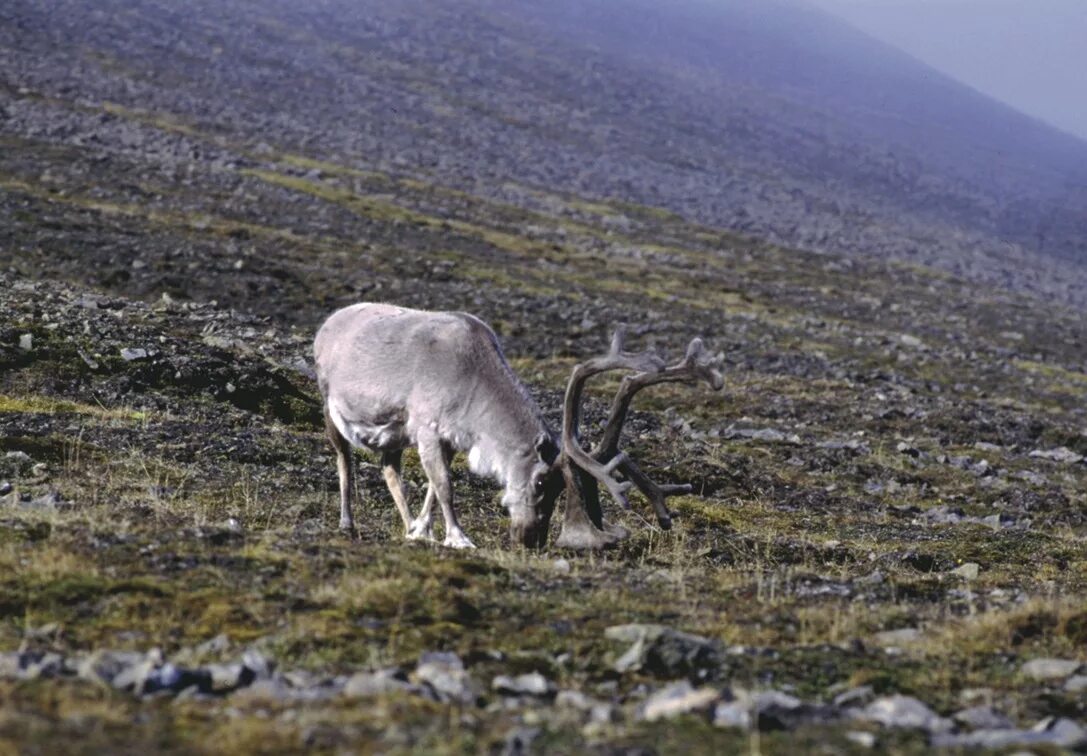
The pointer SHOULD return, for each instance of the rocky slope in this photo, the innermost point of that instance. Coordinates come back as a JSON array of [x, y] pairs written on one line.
[[886, 549], [768, 118]]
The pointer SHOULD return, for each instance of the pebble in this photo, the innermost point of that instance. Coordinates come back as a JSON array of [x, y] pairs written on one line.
[[1060, 454], [861, 738], [677, 699], [905, 712], [131, 354], [1050, 669], [661, 650], [443, 673], [1076, 684], [982, 718], [967, 570], [380, 683], [531, 684]]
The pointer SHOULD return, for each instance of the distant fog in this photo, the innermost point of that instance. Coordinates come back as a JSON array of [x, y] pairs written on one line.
[[1031, 54]]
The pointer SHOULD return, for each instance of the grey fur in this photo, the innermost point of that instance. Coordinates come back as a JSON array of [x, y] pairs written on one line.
[[393, 377]]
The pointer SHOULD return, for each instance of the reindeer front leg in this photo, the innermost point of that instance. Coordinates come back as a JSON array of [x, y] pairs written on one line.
[[420, 528], [390, 467], [434, 456]]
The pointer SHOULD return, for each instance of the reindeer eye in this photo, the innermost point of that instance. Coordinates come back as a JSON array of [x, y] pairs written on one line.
[[539, 485]]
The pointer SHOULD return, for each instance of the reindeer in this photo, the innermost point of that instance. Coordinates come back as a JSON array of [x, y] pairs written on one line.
[[392, 377]]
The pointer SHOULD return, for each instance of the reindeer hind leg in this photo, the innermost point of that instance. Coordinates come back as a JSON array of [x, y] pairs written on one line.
[[346, 469]]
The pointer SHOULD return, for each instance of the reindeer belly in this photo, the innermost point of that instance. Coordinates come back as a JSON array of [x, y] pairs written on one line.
[[384, 433]]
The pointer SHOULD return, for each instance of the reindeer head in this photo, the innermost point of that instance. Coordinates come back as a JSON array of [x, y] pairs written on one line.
[[535, 483]]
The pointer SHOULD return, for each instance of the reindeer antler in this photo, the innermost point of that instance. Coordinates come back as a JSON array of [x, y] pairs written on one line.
[[606, 460], [616, 359]]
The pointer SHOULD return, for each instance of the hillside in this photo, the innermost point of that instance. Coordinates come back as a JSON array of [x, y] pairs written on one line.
[[771, 119], [886, 543]]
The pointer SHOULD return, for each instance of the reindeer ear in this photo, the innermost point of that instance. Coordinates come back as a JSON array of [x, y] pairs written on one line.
[[546, 448]]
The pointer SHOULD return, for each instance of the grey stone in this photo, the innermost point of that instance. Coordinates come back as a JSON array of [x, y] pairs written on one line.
[[443, 673], [967, 571], [531, 684], [661, 650], [216, 645], [105, 666], [1076, 684], [48, 502], [228, 677], [519, 741], [561, 566], [858, 696], [677, 699], [134, 677], [258, 664], [905, 712], [765, 435], [131, 354], [1063, 733], [982, 718], [733, 714], [26, 342], [380, 683], [1060, 454], [861, 738], [1049, 669], [574, 699], [5, 488]]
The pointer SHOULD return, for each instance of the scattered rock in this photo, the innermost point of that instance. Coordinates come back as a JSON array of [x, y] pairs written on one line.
[[858, 696], [733, 714], [228, 677], [519, 741], [574, 699], [905, 712], [561, 566], [1062, 733], [967, 570], [26, 342], [105, 666], [677, 699], [1050, 669], [443, 674], [1076, 684], [861, 738], [765, 435], [380, 683], [131, 354], [1060, 454], [660, 650], [982, 718], [532, 684]]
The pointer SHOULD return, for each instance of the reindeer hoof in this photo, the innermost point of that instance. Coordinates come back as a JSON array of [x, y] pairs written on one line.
[[457, 540], [347, 527], [420, 530]]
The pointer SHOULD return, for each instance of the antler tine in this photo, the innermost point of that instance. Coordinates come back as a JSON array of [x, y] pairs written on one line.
[[698, 368], [656, 493], [693, 366]]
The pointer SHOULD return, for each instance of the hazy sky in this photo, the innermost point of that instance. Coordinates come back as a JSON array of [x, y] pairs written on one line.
[[1031, 54]]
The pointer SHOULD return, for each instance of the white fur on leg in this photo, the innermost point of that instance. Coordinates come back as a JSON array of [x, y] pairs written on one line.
[[420, 530], [456, 539]]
